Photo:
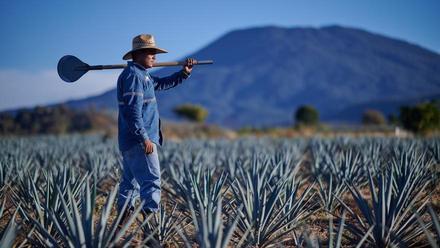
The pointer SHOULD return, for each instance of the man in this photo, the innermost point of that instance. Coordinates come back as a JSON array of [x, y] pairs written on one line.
[[139, 131]]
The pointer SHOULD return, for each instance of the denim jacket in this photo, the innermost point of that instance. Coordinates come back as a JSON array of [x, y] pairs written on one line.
[[138, 117]]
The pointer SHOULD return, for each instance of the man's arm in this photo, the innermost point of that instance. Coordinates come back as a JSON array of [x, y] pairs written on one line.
[[171, 81], [174, 79]]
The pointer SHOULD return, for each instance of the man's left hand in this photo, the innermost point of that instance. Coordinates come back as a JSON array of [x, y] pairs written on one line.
[[189, 64]]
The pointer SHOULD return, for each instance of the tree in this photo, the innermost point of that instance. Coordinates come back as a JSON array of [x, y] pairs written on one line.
[[306, 115], [57, 119], [7, 124], [191, 112], [373, 117], [421, 118], [393, 119]]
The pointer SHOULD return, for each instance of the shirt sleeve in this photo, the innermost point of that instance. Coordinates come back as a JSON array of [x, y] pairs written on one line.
[[133, 95], [171, 81]]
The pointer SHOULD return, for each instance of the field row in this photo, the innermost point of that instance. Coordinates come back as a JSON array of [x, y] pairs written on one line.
[[373, 192]]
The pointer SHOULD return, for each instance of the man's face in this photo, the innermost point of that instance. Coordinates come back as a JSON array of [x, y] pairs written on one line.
[[145, 57]]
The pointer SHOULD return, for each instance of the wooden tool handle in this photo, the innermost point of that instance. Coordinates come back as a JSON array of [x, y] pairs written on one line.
[[201, 62], [160, 64]]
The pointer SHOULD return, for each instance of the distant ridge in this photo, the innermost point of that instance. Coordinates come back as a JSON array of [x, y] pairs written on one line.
[[261, 75]]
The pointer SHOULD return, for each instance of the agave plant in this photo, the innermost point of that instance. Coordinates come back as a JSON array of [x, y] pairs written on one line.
[[75, 226], [411, 171], [6, 174], [166, 226], [270, 211], [348, 167], [335, 237], [344, 165], [201, 187], [209, 227], [435, 223], [269, 178], [8, 233], [332, 242], [103, 167], [298, 206], [329, 191], [434, 148], [38, 193], [389, 213]]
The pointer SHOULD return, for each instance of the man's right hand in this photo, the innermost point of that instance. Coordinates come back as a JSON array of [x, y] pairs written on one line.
[[148, 146]]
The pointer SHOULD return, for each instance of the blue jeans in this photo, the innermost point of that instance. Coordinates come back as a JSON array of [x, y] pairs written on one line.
[[141, 172]]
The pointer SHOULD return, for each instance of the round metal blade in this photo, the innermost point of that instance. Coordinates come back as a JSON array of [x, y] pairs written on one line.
[[70, 68]]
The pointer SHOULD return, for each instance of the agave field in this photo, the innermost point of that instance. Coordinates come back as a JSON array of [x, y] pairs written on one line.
[[314, 192]]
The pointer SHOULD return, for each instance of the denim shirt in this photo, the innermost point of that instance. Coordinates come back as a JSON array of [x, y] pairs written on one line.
[[138, 117]]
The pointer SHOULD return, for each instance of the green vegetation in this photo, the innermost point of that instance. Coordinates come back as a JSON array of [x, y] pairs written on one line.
[[192, 112], [306, 115], [373, 117], [375, 192], [393, 119], [53, 120], [421, 118]]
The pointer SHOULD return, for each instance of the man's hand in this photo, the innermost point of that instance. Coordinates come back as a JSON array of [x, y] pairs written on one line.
[[148, 146], [189, 64]]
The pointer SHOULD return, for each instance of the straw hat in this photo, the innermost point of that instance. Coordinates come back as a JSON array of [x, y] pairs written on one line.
[[143, 41]]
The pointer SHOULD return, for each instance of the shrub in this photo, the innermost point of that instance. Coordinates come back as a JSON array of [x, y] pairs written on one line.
[[420, 118], [191, 112], [307, 115], [373, 117]]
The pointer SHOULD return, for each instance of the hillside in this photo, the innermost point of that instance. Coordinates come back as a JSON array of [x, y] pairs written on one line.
[[261, 75]]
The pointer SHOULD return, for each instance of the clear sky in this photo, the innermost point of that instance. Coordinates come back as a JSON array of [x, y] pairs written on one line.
[[35, 34]]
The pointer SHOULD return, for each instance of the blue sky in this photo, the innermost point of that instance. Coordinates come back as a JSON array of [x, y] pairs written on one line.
[[35, 34]]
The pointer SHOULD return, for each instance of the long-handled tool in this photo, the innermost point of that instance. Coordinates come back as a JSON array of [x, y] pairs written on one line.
[[70, 68]]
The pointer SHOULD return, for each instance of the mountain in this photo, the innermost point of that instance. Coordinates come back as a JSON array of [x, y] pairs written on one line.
[[261, 75]]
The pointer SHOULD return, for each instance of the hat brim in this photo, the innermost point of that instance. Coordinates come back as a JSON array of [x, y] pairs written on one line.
[[128, 56]]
